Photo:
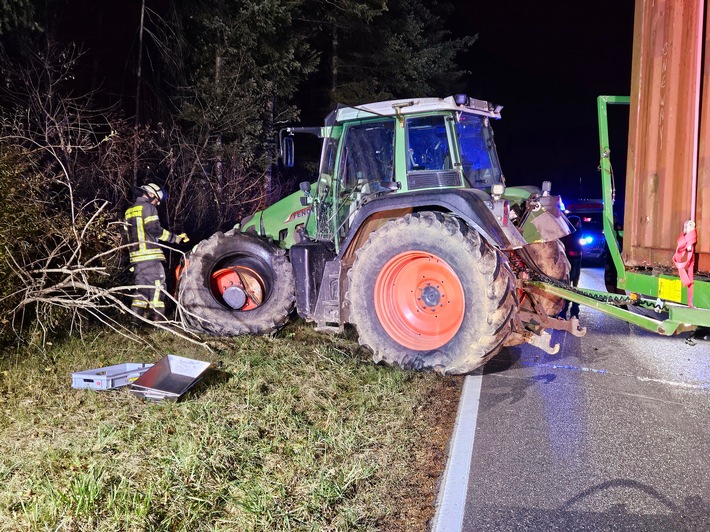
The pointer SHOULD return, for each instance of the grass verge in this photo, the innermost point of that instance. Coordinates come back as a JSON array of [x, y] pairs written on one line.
[[298, 431]]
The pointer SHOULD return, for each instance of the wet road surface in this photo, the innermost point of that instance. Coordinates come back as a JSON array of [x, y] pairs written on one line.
[[610, 433]]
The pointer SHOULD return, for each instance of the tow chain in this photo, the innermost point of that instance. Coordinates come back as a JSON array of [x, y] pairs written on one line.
[[523, 266], [615, 299]]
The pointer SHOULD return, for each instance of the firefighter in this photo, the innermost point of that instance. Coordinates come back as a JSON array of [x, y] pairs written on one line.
[[145, 236]]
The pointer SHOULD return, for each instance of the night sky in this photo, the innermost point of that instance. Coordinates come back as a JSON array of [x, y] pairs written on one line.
[[546, 63]]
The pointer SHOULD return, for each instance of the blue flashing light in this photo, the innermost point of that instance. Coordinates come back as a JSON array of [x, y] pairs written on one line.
[[586, 240]]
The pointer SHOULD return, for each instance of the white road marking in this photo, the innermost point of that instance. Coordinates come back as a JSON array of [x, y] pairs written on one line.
[[689, 385], [451, 501]]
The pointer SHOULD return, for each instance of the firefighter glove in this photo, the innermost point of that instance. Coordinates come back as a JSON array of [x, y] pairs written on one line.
[[182, 237]]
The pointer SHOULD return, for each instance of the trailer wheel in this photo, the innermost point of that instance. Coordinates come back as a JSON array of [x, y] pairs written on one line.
[[427, 292], [550, 257], [236, 284]]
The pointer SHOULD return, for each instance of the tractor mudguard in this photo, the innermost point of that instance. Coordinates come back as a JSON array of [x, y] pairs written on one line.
[[544, 221], [473, 206], [541, 220]]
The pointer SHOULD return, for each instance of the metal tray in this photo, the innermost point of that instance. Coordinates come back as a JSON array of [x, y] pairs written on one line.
[[169, 378]]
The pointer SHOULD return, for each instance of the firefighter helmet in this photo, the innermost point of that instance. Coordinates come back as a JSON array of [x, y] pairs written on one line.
[[154, 190]]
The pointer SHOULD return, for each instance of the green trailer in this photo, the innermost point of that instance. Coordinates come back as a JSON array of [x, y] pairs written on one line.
[[655, 300]]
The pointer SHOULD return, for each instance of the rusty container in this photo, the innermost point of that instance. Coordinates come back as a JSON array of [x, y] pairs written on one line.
[[668, 166]]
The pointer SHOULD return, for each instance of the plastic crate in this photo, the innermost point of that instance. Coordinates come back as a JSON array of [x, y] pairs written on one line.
[[108, 377]]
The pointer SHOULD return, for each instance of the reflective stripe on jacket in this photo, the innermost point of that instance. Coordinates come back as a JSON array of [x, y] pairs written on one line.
[[144, 230]]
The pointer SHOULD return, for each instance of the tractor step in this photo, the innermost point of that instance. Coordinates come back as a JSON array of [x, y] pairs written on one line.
[[327, 313]]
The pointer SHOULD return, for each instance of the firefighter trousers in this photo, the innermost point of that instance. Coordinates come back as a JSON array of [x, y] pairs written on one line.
[[149, 277]]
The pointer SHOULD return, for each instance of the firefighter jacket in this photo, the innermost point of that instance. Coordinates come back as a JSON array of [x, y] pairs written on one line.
[[144, 232]]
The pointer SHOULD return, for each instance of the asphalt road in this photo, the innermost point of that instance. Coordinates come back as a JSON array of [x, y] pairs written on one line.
[[611, 433]]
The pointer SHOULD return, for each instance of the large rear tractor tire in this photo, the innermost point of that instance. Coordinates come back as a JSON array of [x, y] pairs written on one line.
[[551, 259], [427, 292], [236, 284]]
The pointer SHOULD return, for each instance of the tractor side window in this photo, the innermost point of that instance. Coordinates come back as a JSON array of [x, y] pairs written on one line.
[[478, 152], [328, 156], [427, 144], [368, 154]]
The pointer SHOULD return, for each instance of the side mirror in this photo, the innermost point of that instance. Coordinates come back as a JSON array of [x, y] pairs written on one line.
[[287, 151], [305, 187]]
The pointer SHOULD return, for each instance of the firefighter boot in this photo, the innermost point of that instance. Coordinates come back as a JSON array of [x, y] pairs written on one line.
[[136, 315], [156, 316]]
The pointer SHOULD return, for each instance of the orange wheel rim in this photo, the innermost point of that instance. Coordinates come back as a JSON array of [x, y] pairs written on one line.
[[419, 300], [244, 278]]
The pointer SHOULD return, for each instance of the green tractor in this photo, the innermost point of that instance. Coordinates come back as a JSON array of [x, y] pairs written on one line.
[[408, 234]]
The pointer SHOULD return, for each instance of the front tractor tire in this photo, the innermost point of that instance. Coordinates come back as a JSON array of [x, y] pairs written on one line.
[[427, 292], [551, 259], [236, 284]]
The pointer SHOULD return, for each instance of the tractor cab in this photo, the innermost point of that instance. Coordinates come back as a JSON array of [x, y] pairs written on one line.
[[396, 147]]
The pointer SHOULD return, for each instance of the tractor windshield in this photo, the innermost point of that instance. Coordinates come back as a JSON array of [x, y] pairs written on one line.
[[427, 144], [478, 152]]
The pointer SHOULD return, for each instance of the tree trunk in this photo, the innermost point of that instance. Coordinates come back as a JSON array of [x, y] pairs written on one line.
[[139, 74], [221, 185], [269, 185], [334, 68]]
